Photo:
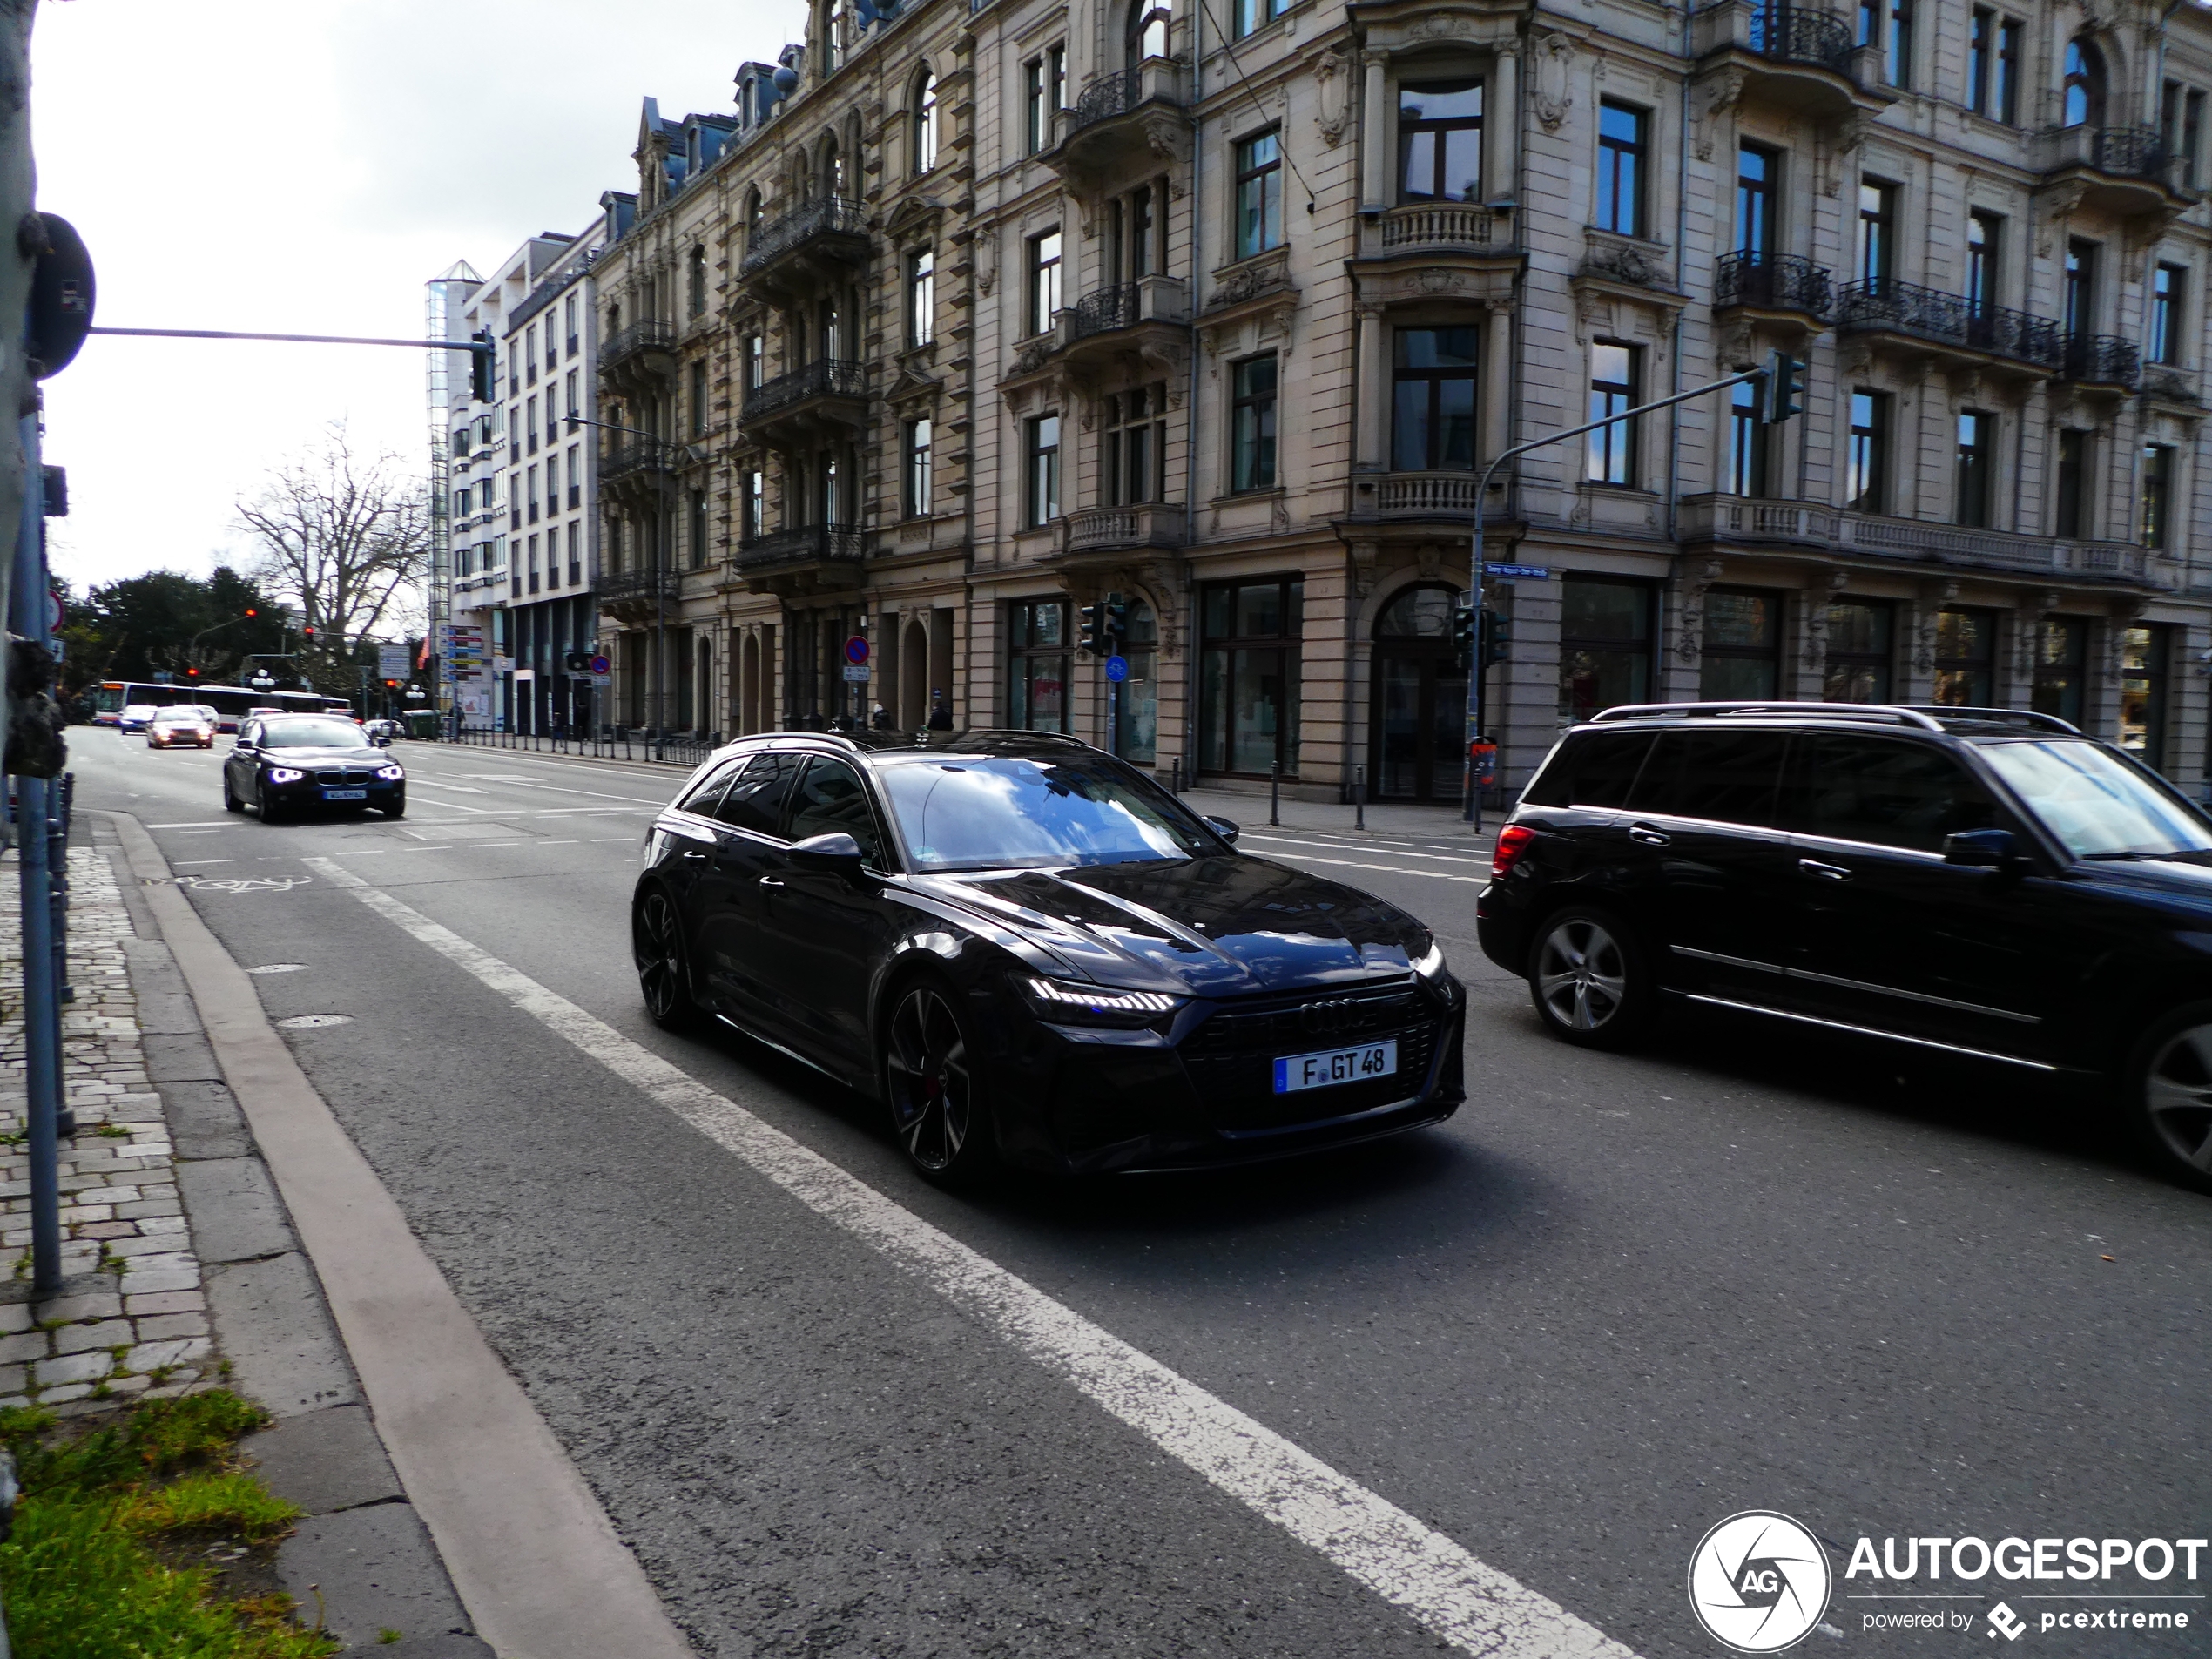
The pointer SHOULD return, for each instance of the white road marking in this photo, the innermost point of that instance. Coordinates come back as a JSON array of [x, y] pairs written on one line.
[[1355, 846], [600, 840], [560, 843], [415, 793], [1473, 1606], [205, 823], [601, 794], [181, 864], [479, 846], [1394, 869]]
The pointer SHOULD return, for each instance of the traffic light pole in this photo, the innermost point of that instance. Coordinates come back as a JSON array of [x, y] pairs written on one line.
[[1472, 808]]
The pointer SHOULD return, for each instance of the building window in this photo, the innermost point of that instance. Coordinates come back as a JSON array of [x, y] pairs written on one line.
[[916, 470], [1747, 442], [1965, 658], [2061, 661], [2082, 103], [1134, 445], [1604, 644], [1249, 15], [1900, 42], [1439, 141], [756, 360], [1985, 248], [698, 398], [2192, 138], [569, 401], [1866, 460], [1044, 279], [1136, 712], [576, 552], [1147, 34], [1993, 59], [695, 529], [2145, 653], [530, 424], [2157, 517], [1876, 233], [576, 476], [1259, 195], [1252, 425], [1757, 171], [1132, 231], [1042, 471], [2078, 302], [926, 123], [552, 485], [752, 504], [1743, 649], [1977, 447], [1612, 449], [2072, 476], [2168, 284], [569, 321], [921, 297], [529, 496], [1859, 636], [1432, 400], [1622, 134], [1249, 675], [1036, 112], [529, 354], [694, 285], [1038, 665]]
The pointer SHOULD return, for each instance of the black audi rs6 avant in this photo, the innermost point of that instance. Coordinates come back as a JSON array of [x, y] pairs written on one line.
[[1034, 955]]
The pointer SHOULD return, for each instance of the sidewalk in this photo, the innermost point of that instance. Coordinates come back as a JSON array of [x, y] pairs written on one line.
[[1392, 819]]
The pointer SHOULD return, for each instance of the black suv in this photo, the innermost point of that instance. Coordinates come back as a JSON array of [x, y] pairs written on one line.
[[1981, 881]]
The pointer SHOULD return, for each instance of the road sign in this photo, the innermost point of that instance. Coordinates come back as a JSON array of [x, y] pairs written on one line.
[[601, 668], [856, 673], [1117, 668], [393, 662], [53, 612], [856, 651], [1541, 572], [603, 679], [503, 665]]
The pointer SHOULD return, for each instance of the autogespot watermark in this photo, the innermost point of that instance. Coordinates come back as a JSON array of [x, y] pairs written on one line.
[[1758, 1581]]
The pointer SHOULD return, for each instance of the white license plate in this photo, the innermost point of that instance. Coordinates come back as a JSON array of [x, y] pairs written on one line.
[[345, 794], [1334, 1066]]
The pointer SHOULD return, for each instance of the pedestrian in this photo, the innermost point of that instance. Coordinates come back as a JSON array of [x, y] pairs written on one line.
[[941, 713], [881, 719]]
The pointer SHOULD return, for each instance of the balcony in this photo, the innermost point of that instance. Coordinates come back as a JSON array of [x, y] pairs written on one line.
[[1799, 58], [636, 459], [1107, 535], [1422, 500], [636, 595], [805, 557], [829, 395], [816, 241], [2100, 362], [1780, 284], [1143, 326], [1958, 330], [1438, 228], [1125, 116], [1735, 521], [2126, 171], [645, 349]]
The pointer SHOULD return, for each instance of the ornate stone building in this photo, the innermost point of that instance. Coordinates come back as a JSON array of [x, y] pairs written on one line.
[[974, 313]]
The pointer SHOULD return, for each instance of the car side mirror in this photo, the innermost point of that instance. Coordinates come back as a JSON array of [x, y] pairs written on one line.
[[1224, 828], [836, 854], [1985, 849], [381, 741]]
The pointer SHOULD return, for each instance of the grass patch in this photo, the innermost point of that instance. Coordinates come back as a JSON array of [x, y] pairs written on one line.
[[101, 1561]]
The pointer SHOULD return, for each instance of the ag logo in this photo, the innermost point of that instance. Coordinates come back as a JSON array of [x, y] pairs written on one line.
[[1758, 1581]]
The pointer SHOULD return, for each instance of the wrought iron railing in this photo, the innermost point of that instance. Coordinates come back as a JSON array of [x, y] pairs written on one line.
[[623, 457], [2102, 360], [652, 334], [830, 216], [2127, 152], [1105, 310], [1778, 281], [1116, 92], [824, 377], [1799, 35], [800, 545], [619, 587], [1950, 320]]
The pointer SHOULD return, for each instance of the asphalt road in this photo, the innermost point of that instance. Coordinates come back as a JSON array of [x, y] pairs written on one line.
[[1614, 1300]]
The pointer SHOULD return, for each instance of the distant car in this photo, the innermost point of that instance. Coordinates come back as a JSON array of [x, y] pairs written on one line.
[[284, 763], [383, 731], [181, 723], [135, 716]]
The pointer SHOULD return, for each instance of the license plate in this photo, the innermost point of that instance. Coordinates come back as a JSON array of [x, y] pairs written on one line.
[[1334, 1066], [345, 794]]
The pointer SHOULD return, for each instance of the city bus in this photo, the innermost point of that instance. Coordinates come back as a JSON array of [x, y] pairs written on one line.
[[111, 697]]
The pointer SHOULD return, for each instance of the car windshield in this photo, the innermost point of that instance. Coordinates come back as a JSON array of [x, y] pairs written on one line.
[[987, 812], [2094, 802], [139, 711], [180, 717], [311, 734]]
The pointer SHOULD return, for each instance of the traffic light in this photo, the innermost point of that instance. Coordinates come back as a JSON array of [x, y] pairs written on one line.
[[391, 686], [1497, 638], [578, 662], [251, 611], [1463, 637], [1117, 622], [307, 633], [480, 367], [1782, 392], [1094, 629], [192, 673]]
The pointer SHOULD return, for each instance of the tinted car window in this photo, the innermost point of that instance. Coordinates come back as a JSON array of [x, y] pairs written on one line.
[[2095, 802], [1884, 792], [1730, 776], [755, 799], [707, 795], [1591, 769], [832, 799]]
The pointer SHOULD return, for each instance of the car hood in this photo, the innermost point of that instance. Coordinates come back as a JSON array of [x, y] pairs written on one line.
[[361, 757], [1219, 925]]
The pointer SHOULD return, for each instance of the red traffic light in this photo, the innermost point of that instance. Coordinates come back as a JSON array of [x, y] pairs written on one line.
[[392, 685], [251, 611], [192, 673], [307, 632]]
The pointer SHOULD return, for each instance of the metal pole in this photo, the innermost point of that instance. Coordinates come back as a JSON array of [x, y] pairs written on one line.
[[1359, 798], [1275, 796], [40, 1004]]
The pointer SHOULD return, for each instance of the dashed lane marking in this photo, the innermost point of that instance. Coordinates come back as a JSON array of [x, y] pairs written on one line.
[[205, 823], [1472, 1605], [181, 864]]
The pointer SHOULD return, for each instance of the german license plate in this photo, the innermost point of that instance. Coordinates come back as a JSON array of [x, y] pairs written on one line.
[[1334, 1066], [345, 794]]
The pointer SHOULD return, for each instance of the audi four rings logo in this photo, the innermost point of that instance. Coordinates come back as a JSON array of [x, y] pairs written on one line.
[[1759, 1581], [1328, 1019]]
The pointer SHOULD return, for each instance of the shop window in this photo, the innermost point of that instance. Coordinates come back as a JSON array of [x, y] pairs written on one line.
[[1038, 665], [1605, 629], [1742, 646], [2146, 652], [2062, 664], [1861, 636], [1965, 658], [1250, 676]]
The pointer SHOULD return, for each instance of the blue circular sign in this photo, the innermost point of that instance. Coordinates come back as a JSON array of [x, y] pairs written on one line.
[[856, 651], [1117, 668]]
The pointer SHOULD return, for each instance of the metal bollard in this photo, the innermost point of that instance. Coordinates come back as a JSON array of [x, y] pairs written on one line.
[[1275, 796], [1359, 798], [1175, 778]]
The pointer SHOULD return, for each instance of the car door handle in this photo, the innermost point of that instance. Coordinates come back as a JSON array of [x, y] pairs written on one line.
[[1826, 871], [691, 854], [772, 881], [1648, 836]]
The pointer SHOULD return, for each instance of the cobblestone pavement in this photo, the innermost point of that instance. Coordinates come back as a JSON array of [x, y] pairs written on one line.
[[132, 1318]]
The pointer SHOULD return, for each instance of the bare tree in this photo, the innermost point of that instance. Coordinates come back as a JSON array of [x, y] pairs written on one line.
[[346, 542]]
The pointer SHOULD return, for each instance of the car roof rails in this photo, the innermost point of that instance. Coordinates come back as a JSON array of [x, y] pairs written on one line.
[[2002, 717], [1894, 714]]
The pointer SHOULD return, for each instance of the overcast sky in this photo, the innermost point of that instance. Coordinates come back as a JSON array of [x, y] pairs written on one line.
[[304, 166]]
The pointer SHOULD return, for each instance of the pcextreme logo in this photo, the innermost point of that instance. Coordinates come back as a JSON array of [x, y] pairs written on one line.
[[1759, 1581]]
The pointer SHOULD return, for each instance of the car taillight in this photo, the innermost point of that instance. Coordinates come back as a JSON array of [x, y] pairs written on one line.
[[1513, 841]]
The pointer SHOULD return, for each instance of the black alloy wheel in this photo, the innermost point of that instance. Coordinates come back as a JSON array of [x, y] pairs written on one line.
[[664, 971], [270, 810], [930, 1079], [1587, 977], [397, 809], [2168, 1094]]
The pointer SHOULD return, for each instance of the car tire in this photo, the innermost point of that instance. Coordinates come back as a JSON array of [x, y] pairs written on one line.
[[663, 963], [1588, 978], [397, 809], [270, 814], [2166, 1095], [934, 1085], [230, 802]]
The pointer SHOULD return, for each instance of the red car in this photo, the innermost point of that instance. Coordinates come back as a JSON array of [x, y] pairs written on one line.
[[180, 725]]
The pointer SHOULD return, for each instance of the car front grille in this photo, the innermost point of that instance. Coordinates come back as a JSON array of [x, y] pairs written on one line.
[[343, 778], [1230, 1058]]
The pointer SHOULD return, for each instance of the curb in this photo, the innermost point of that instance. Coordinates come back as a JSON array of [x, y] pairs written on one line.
[[335, 1318]]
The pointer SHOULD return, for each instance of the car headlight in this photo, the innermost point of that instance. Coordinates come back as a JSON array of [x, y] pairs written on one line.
[[1059, 1002], [1430, 963], [285, 775], [390, 774]]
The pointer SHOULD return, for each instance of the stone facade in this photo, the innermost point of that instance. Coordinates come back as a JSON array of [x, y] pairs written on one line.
[[973, 316]]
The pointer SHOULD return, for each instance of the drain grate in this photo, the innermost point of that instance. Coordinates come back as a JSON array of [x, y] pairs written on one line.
[[313, 1021]]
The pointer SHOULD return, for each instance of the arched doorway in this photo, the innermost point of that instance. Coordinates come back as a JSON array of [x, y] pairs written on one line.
[[1419, 713]]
